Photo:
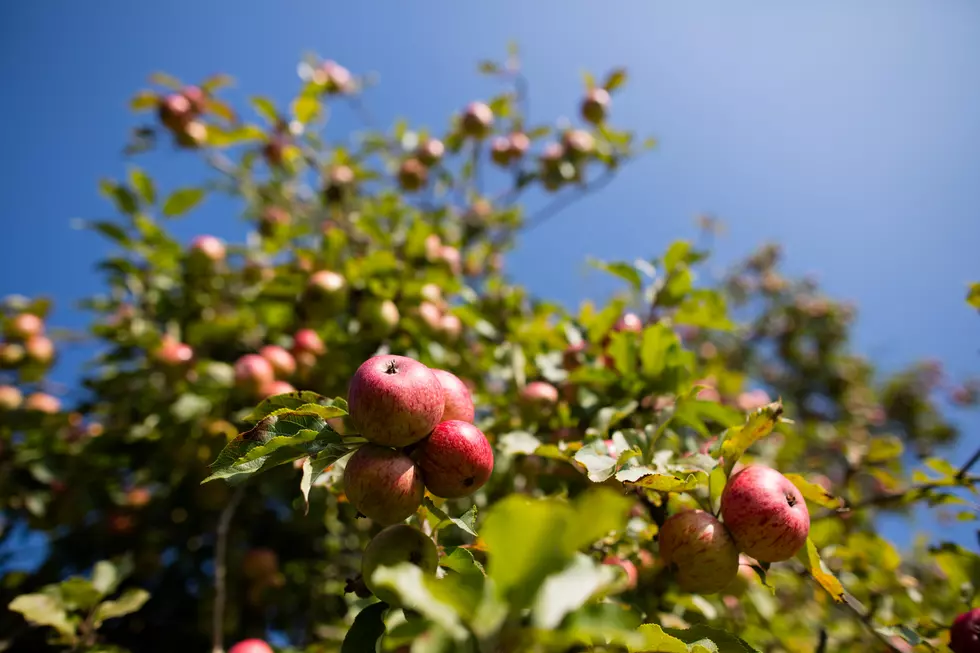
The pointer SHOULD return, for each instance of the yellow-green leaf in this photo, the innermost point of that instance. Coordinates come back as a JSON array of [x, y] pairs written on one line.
[[306, 108], [181, 201], [973, 297], [647, 478], [144, 100], [655, 640], [814, 493], [883, 449], [739, 438], [810, 558]]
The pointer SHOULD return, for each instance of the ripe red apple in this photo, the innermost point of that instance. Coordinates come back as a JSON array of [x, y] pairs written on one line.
[[412, 175], [500, 151], [430, 151], [283, 363], [25, 325], [459, 402], [632, 575], [175, 110], [10, 398], [451, 325], [394, 545], [964, 635], [274, 388], [394, 400], [456, 460], [578, 143], [252, 373], [765, 514], [383, 484], [379, 317], [431, 315], [477, 120], [42, 402], [519, 144], [629, 322], [308, 341], [172, 353], [433, 248], [251, 646], [595, 106], [539, 394], [550, 166], [450, 256], [197, 98], [39, 349], [208, 248], [700, 550]]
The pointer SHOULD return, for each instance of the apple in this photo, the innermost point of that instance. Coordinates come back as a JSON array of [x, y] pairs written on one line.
[[327, 290], [550, 166], [578, 143], [431, 315], [519, 144], [274, 388], [477, 120], [394, 400], [632, 575], [539, 394], [450, 256], [595, 106], [335, 78], [430, 151], [765, 514], [964, 635], [383, 484], [273, 150], [208, 248], [308, 341], [749, 401], [172, 352], [251, 646], [175, 111], [571, 357], [629, 322], [500, 151], [283, 363], [379, 316], [25, 325], [11, 354], [456, 459], [10, 398], [340, 179], [451, 325], [197, 98], [459, 402], [193, 135], [412, 175], [39, 349], [252, 373], [42, 402], [700, 550], [431, 292], [433, 248], [272, 219], [395, 545]]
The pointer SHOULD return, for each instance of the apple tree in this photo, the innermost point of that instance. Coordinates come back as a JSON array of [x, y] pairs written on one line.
[[352, 430]]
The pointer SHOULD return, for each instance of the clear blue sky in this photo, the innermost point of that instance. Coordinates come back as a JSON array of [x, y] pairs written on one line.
[[849, 132]]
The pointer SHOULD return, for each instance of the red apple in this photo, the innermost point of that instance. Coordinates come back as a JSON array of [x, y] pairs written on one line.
[[39, 349], [431, 315], [595, 106], [283, 363], [433, 248], [539, 393], [456, 460], [340, 180], [172, 353], [272, 219], [138, 497], [571, 358], [765, 514], [42, 403], [393, 545], [251, 646], [175, 110], [252, 373], [308, 341], [432, 293], [451, 325], [197, 97], [964, 635], [459, 402], [25, 325], [519, 144], [394, 400], [335, 78], [477, 120], [578, 143], [450, 256], [10, 398], [208, 248], [629, 322], [430, 151], [500, 151], [632, 575], [274, 388], [383, 484], [412, 175], [700, 550]]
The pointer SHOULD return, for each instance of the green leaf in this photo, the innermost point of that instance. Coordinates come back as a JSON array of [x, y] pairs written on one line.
[[702, 308], [144, 100], [122, 197], [78, 593], [655, 640], [44, 610], [814, 493], [488, 67], [143, 185], [181, 201], [624, 271], [738, 439], [657, 340], [973, 296], [216, 82], [597, 513], [190, 406], [413, 589], [623, 348], [647, 478], [367, 629], [131, 601], [599, 466], [266, 108], [569, 589], [303, 401], [219, 136], [716, 482], [466, 523], [601, 323], [810, 558], [713, 639], [307, 108], [316, 465], [462, 562], [884, 448], [106, 576], [110, 230], [166, 80], [615, 79]]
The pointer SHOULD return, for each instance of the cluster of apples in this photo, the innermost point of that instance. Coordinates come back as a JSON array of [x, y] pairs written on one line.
[[418, 424], [181, 112], [765, 517], [26, 346]]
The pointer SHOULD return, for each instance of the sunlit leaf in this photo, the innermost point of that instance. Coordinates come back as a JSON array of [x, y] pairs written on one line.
[[713, 639], [624, 271], [131, 601], [615, 79], [412, 587], [144, 100], [810, 558], [973, 296], [655, 640], [884, 448], [568, 589], [302, 400], [182, 200], [647, 478], [44, 610], [307, 108], [739, 438], [466, 523], [266, 108], [143, 185], [814, 493]]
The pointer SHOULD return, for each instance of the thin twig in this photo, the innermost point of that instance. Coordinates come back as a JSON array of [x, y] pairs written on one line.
[[964, 470], [901, 497], [221, 568], [862, 615]]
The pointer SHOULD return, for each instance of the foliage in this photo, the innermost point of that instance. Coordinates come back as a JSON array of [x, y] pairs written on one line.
[[226, 495]]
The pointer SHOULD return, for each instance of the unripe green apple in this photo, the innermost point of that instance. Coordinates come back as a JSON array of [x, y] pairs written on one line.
[[412, 175], [395, 545], [595, 106], [379, 317]]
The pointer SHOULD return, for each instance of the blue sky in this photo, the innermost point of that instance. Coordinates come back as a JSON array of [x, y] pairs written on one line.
[[849, 132]]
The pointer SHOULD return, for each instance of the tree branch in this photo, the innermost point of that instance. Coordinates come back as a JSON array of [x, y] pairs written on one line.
[[857, 610], [965, 469], [901, 497], [221, 568]]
